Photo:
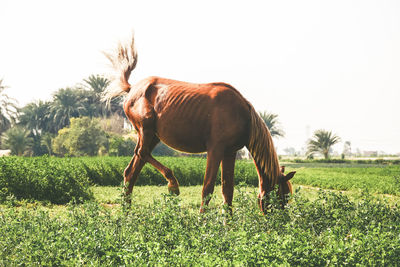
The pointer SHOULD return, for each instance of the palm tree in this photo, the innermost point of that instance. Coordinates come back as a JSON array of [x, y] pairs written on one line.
[[96, 85], [321, 142], [8, 109], [67, 103], [35, 117], [17, 140], [271, 120], [45, 141]]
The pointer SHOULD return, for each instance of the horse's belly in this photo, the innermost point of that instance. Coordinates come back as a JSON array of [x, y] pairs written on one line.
[[183, 135]]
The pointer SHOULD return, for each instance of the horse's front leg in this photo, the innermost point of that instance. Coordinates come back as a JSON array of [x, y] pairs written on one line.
[[214, 158], [227, 179], [131, 173]]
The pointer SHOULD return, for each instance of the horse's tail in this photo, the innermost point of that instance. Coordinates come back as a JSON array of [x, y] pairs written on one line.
[[123, 61], [263, 151]]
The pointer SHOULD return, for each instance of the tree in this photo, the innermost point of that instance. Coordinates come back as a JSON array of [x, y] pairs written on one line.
[[35, 117], [271, 120], [347, 149], [67, 103], [46, 141], [95, 85], [8, 109], [321, 142], [17, 140], [84, 137], [120, 146]]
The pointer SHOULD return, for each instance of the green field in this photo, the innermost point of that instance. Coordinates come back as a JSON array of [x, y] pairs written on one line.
[[356, 220], [60, 180]]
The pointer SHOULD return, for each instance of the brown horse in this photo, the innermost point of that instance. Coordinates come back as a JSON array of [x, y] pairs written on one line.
[[194, 118]]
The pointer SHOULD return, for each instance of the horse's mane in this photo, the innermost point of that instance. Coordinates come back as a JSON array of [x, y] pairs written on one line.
[[263, 151]]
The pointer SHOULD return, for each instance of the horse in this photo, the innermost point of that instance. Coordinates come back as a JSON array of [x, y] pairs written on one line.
[[195, 118]]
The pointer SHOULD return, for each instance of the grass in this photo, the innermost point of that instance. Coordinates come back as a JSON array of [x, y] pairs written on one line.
[[191, 195], [356, 221], [322, 228]]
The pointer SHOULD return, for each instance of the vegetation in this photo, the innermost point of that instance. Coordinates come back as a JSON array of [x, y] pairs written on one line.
[[321, 142], [76, 122], [271, 120], [22, 178], [84, 137], [18, 140], [168, 230], [8, 109], [44, 179], [325, 228]]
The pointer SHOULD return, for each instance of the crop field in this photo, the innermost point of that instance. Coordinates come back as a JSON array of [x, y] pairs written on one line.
[[70, 211]]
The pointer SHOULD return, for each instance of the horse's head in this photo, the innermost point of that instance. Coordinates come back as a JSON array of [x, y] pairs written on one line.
[[284, 189], [285, 186]]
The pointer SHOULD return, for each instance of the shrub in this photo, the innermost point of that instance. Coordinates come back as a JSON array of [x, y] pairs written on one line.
[[84, 137], [44, 179], [119, 146]]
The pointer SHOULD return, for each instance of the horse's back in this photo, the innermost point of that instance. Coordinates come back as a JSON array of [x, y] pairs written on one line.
[[191, 117]]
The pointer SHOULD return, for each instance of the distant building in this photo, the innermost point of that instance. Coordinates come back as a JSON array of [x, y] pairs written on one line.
[[370, 153], [5, 153]]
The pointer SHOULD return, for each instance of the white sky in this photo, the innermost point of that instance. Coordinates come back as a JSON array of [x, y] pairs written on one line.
[[333, 65]]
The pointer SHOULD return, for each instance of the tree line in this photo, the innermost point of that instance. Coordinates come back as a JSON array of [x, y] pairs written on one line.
[[74, 122], [77, 122]]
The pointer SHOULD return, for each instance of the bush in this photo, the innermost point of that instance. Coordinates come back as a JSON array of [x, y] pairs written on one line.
[[23, 177], [84, 137], [119, 146], [44, 179]]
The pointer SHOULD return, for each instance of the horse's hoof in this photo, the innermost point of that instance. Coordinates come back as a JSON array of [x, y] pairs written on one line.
[[201, 210], [174, 190]]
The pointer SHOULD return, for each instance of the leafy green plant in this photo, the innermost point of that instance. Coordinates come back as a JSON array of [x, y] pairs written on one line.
[[44, 179], [83, 137], [331, 230]]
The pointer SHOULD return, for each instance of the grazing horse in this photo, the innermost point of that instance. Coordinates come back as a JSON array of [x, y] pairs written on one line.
[[195, 118]]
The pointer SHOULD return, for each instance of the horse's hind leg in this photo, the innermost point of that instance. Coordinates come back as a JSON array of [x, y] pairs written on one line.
[[227, 178], [144, 153], [173, 185]]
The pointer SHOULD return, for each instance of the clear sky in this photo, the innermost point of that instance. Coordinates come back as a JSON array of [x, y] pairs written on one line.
[[333, 65]]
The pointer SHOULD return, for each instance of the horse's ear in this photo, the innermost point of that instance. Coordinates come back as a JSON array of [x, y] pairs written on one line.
[[282, 169], [289, 176]]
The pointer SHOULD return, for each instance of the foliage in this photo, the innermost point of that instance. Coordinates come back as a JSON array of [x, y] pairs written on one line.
[[271, 120], [190, 171], [84, 137], [8, 109], [331, 230], [114, 125], [120, 146], [35, 117], [321, 142], [44, 119], [46, 140], [42, 178], [376, 179], [17, 140], [68, 103], [347, 161]]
